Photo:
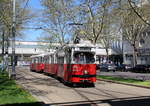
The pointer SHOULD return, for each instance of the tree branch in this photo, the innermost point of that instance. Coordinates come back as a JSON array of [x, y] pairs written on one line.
[[138, 13]]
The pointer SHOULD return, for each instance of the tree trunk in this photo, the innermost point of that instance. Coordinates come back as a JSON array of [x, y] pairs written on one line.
[[6, 52], [134, 56], [107, 55]]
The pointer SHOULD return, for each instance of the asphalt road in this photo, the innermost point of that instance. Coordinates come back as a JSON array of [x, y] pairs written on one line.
[[51, 92], [139, 76]]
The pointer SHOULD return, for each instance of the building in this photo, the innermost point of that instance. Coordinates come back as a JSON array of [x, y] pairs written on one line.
[[143, 50], [24, 49]]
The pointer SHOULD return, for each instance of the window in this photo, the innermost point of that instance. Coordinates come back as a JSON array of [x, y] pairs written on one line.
[[49, 61], [84, 57], [46, 60], [141, 58], [32, 60], [52, 59], [60, 60]]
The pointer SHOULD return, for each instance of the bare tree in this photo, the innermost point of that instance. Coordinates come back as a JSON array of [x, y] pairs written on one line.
[[93, 13], [57, 16], [132, 27], [22, 17]]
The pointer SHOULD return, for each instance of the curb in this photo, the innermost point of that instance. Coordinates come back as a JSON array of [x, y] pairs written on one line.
[[123, 83]]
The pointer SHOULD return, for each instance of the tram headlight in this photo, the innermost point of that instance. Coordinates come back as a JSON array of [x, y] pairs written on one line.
[[85, 72]]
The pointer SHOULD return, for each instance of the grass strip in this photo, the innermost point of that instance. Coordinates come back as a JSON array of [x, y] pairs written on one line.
[[11, 93], [125, 80]]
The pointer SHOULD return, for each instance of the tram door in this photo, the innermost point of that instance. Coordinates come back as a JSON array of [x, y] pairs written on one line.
[[35, 63], [68, 57], [52, 64], [60, 66]]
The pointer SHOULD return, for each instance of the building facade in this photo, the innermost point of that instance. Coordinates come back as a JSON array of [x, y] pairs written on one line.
[[143, 50], [25, 49]]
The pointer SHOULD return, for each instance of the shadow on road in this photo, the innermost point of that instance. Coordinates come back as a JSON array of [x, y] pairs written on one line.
[[133, 101], [25, 104], [51, 81]]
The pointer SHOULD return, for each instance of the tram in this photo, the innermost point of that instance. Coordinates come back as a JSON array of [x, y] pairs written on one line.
[[76, 63], [72, 63], [37, 63]]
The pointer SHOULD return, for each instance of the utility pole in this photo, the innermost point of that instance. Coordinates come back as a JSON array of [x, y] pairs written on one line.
[[3, 47], [13, 74]]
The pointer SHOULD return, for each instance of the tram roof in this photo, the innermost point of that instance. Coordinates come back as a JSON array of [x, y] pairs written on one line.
[[82, 43], [42, 55]]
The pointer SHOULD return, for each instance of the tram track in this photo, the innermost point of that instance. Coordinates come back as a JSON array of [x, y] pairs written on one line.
[[85, 97], [58, 94], [23, 72]]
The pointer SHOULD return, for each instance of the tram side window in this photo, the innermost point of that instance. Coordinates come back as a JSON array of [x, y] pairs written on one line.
[[68, 59], [49, 60], [43, 59], [40, 59], [52, 59], [60, 60], [46, 60], [37, 60], [32, 61]]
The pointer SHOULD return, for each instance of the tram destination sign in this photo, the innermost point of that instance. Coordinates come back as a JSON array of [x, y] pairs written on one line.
[[85, 48]]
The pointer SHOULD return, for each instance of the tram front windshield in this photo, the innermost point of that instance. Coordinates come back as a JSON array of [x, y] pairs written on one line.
[[84, 58]]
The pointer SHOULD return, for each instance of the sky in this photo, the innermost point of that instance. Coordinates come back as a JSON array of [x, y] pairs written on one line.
[[32, 34]]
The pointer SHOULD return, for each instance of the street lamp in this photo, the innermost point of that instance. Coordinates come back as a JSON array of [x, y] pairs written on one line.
[[13, 74]]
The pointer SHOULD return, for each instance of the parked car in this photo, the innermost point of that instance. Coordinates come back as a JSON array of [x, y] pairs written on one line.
[[128, 67], [148, 68], [108, 67], [120, 67], [99, 66], [124, 67], [141, 68]]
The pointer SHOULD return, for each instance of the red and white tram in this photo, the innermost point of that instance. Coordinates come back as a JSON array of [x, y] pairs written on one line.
[[76, 63], [37, 63], [73, 63]]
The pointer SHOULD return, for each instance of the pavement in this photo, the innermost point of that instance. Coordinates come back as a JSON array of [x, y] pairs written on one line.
[[52, 92]]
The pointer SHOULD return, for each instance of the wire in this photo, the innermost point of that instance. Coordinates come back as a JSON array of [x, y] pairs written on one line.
[[36, 28], [25, 6]]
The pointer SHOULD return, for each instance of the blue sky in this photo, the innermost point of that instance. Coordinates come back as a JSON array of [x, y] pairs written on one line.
[[31, 34]]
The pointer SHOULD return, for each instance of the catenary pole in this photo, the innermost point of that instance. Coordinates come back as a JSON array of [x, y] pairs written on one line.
[[13, 74]]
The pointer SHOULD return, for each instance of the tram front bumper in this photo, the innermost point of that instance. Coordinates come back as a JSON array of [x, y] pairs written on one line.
[[83, 78]]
